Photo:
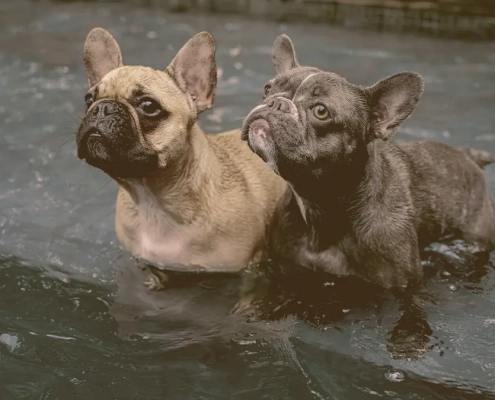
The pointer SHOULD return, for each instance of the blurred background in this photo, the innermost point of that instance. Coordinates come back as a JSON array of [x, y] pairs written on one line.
[[75, 321], [456, 18]]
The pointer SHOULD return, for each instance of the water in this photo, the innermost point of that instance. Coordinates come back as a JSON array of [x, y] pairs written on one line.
[[75, 321]]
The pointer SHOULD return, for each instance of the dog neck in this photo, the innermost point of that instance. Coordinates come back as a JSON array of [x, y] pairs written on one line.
[[331, 202], [186, 188]]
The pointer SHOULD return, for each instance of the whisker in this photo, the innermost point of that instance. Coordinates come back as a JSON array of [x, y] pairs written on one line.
[[72, 117], [105, 185], [238, 121], [66, 142]]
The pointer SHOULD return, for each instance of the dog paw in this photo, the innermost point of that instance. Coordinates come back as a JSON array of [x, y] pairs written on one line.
[[154, 283], [247, 307], [242, 307]]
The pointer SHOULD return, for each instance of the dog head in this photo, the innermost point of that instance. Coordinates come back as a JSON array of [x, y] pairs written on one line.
[[138, 119], [313, 122]]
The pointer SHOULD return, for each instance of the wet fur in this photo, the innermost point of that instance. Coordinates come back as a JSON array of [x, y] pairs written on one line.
[[357, 203]]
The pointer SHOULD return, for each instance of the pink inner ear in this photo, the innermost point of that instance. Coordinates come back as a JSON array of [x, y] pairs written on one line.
[[102, 55]]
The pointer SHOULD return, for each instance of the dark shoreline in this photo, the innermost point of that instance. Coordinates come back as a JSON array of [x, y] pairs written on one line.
[[474, 20]]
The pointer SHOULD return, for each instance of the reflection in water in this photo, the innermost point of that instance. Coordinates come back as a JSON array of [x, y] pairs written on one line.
[[272, 292], [410, 337], [132, 338]]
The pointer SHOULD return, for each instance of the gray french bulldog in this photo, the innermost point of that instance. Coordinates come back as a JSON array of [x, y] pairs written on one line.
[[357, 203]]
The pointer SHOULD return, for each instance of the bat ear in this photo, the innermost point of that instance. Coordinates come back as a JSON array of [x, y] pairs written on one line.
[[195, 71], [101, 55], [392, 100], [284, 55]]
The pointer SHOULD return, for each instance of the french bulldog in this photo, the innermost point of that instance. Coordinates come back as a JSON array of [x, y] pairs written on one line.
[[187, 201], [356, 202]]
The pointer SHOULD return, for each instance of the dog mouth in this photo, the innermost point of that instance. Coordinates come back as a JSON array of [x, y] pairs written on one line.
[[92, 146], [258, 134], [110, 156]]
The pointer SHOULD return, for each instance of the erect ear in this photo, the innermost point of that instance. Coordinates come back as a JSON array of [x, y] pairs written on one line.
[[392, 100], [101, 55], [195, 71], [283, 55]]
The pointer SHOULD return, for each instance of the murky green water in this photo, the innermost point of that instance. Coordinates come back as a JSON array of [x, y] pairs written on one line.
[[75, 321]]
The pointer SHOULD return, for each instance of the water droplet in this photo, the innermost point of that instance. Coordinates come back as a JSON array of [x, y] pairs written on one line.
[[62, 70], [151, 35], [394, 376], [76, 381], [244, 342], [238, 65], [453, 287], [235, 51]]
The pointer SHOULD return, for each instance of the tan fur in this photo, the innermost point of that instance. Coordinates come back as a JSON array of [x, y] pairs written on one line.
[[210, 201], [215, 215]]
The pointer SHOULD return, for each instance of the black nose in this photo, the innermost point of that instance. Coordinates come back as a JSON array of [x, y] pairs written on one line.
[[279, 103], [105, 108]]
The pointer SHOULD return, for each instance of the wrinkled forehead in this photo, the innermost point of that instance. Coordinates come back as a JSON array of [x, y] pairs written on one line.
[[335, 92], [288, 83], [129, 82], [321, 84]]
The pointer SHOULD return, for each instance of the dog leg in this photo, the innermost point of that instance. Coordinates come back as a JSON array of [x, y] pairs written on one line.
[[410, 337], [157, 279], [252, 289]]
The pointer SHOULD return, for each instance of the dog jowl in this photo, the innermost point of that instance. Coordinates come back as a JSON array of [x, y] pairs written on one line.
[[357, 203]]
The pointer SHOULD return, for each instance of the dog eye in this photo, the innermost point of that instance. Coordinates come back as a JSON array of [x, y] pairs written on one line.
[[150, 107], [89, 99], [321, 112], [266, 91]]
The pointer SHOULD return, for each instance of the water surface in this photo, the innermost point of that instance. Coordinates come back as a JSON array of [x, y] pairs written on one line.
[[75, 321]]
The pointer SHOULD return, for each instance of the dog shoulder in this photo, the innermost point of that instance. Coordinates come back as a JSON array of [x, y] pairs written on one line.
[[236, 155]]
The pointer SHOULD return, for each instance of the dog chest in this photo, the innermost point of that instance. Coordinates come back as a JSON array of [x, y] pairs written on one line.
[[149, 234], [331, 260]]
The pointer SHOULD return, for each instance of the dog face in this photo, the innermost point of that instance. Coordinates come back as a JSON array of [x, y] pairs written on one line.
[[312, 122], [138, 119]]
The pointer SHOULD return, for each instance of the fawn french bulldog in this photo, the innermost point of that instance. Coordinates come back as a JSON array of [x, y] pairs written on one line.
[[357, 203], [186, 200]]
